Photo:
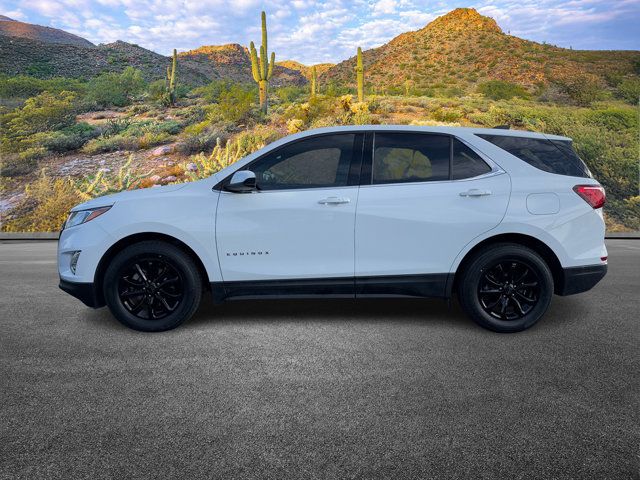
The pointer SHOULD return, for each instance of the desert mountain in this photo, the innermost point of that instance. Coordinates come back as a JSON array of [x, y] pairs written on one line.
[[232, 62], [304, 69], [463, 47], [48, 52], [32, 57], [458, 49], [13, 28]]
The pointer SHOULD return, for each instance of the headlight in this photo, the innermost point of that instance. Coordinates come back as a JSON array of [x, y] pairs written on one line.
[[83, 216]]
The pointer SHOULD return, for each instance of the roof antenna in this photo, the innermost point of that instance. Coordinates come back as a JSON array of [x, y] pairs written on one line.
[[502, 127]]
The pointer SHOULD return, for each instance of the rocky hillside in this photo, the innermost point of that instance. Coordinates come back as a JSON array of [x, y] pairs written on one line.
[[463, 48], [13, 28], [304, 69], [51, 56], [232, 62], [32, 57]]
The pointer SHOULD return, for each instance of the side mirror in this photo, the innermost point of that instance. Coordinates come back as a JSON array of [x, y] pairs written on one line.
[[243, 181]]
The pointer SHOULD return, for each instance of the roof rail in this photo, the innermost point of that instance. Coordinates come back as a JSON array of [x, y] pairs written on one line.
[[502, 127]]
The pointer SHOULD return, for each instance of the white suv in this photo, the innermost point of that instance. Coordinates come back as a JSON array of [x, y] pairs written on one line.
[[503, 218]]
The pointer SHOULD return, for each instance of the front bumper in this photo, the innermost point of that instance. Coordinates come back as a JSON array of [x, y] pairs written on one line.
[[85, 292], [580, 279]]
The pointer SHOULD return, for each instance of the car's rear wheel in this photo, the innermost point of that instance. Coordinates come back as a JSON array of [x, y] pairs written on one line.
[[506, 287], [152, 286]]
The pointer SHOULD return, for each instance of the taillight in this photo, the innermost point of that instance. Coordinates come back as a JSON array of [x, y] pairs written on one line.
[[592, 194]]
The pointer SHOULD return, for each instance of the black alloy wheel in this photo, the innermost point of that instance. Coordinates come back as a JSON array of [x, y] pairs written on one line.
[[505, 287], [152, 286], [149, 287], [509, 289]]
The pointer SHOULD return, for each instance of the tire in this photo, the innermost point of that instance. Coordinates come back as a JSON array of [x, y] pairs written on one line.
[[152, 286], [513, 276]]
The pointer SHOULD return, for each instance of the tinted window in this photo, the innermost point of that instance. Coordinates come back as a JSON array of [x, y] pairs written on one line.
[[567, 149], [553, 157], [315, 162], [406, 157], [466, 162]]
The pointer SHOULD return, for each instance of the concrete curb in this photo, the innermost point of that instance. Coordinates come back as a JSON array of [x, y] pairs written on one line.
[[623, 235], [28, 236]]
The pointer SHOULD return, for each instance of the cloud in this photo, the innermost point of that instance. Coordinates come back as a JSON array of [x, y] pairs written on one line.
[[15, 14], [545, 17], [384, 7]]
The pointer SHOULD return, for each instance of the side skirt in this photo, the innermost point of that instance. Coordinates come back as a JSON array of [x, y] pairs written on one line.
[[421, 286]]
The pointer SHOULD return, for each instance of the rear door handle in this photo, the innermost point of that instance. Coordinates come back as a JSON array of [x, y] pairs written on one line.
[[334, 200], [475, 192]]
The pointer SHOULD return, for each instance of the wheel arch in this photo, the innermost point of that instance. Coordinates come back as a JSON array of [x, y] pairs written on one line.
[[535, 244], [124, 242]]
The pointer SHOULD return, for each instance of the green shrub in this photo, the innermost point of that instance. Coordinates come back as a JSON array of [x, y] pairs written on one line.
[[45, 206], [614, 118], [156, 91], [70, 138], [625, 211], [320, 106], [234, 105], [42, 113], [110, 144], [448, 115], [291, 93], [629, 90], [40, 69], [32, 153], [115, 126], [500, 90], [11, 165], [170, 127], [151, 139], [198, 142], [115, 89], [123, 134], [581, 90], [211, 92], [24, 86]]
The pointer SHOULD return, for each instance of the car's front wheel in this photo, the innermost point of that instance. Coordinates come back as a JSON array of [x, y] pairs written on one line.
[[152, 286], [506, 287]]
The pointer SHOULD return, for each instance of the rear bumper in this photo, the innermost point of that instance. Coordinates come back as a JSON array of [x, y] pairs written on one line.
[[85, 292], [580, 279]]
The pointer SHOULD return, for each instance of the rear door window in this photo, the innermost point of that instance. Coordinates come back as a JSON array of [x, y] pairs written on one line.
[[553, 156], [407, 157], [466, 163]]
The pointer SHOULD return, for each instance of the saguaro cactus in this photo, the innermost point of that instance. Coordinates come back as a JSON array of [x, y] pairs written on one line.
[[314, 79], [360, 75], [172, 79], [261, 68]]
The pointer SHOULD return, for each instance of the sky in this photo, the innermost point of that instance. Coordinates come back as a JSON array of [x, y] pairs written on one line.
[[324, 31]]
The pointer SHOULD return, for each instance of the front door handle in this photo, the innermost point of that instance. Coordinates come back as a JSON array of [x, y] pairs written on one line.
[[334, 200], [475, 192]]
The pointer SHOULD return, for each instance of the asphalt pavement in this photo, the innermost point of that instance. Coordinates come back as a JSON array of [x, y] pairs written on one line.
[[318, 388]]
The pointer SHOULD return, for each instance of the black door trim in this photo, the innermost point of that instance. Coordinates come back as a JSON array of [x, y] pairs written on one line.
[[422, 286]]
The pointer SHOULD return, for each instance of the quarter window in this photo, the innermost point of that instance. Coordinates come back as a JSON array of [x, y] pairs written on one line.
[[466, 162], [551, 156], [315, 162], [400, 157]]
